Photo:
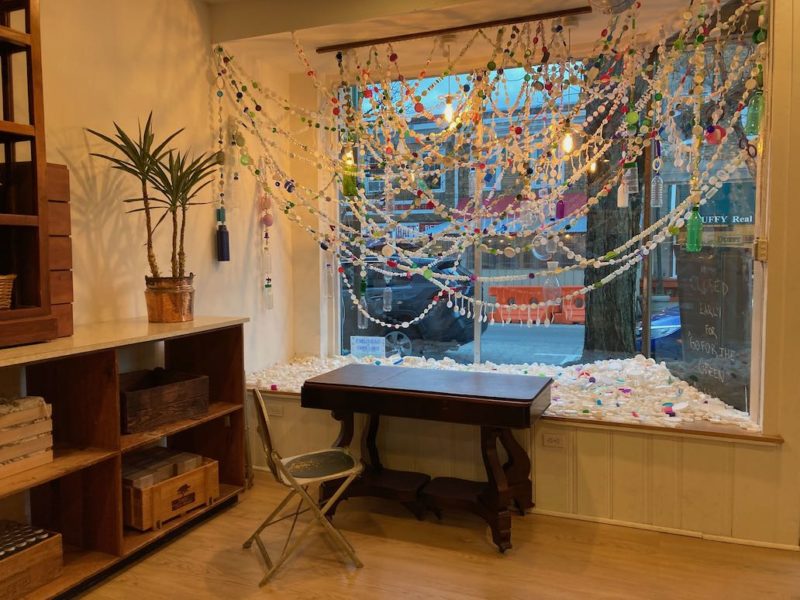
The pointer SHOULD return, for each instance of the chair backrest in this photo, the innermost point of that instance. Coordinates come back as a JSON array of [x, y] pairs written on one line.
[[264, 433]]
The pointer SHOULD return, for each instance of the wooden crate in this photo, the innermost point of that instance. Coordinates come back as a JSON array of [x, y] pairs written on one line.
[[149, 399], [23, 572], [151, 507], [26, 438]]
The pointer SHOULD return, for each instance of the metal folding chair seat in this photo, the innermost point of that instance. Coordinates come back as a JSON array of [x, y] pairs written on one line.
[[298, 473]]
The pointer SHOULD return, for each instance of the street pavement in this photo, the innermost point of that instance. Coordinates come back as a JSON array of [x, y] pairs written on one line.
[[514, 343]]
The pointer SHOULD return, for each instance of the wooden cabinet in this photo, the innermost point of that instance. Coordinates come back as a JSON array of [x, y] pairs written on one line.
[[79, 494], [24, 240]]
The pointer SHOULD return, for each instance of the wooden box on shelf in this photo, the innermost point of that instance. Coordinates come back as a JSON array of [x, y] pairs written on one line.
[[23, 572], [26, 439], [149, 399], [150, 507]]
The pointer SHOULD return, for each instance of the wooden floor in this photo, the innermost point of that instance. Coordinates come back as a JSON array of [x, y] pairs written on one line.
[[404, 558]]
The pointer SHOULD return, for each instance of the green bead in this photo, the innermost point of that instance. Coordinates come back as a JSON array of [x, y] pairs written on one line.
[[491, 65], [678, 45], [427, 274], [632, 118], [245, 160], [700, 38]]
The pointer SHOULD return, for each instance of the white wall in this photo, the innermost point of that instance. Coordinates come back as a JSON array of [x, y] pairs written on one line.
[[116, 60]]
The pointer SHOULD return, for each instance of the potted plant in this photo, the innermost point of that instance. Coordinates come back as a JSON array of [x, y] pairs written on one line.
[[178, 179]]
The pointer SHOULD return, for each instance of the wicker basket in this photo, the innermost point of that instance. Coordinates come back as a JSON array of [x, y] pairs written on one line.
[[6, 289]]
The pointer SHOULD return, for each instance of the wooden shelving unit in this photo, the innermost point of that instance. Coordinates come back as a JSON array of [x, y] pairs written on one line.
[[79, 494], [24, 240]]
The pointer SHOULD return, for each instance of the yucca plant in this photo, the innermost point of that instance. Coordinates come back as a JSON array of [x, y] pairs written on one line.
[[140, 157], [179, 179]]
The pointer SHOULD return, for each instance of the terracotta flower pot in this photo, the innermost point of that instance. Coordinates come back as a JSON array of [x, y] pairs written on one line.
[[169, 299]]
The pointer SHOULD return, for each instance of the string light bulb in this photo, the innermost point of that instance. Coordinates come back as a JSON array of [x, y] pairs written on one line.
[[568, 143], [448, 109], [593, 167]]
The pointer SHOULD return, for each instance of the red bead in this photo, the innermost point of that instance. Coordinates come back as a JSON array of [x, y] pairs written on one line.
[[341, 269], [430, 205], [393, 56], [419, 107], [336, 110], [518, 130], [390, 263]]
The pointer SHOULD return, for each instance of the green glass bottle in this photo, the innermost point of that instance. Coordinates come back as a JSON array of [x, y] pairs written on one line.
[[755, 110], [694, 231]]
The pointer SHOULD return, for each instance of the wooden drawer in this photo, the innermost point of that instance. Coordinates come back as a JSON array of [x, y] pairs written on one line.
[[151, 507]]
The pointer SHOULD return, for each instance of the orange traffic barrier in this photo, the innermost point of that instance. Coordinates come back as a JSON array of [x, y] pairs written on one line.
[[571, 311]]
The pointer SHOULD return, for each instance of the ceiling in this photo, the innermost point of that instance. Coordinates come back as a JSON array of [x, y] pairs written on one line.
[[279, 51]]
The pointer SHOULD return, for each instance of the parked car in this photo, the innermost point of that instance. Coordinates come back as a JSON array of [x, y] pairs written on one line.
[[665, 334], [441, 330]]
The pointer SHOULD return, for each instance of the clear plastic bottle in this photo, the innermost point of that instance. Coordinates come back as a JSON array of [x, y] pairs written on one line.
[[363, 320], [755, 110], [551, 291], [622, 195], [631, 178], [657, 191], [387, 299]]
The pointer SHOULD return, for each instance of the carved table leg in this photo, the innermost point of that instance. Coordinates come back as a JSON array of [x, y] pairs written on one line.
[[369, 447], [346, 429], [327, 489], [518, 471], [497, 495]]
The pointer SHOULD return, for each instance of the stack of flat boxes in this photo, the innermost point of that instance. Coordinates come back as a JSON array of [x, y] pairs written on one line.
[[151, 466]]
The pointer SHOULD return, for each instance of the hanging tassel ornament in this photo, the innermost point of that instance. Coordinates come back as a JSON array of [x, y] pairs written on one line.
[[657, 182], [223, 239]]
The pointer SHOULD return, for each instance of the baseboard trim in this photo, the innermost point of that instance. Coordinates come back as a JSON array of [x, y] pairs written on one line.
[[672, 530]]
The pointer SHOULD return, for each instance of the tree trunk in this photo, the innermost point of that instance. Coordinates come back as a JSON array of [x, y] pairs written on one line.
[[175, 242], [612, 309], [151, 256], [181, 253]]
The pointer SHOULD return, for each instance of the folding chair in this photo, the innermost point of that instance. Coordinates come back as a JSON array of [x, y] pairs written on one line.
[[298, 473]]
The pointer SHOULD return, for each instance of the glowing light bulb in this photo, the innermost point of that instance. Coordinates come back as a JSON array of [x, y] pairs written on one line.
[[448, 110], [593, 167], [568, 144]]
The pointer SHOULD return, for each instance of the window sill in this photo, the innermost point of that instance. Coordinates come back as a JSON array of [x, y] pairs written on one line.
[[719, 433], [703, 430]]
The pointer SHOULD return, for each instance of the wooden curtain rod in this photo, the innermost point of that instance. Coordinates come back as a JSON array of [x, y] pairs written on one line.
[[567, 12]]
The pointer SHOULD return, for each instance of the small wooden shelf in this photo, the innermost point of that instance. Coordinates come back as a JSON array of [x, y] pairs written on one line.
[[14, 40], [216, 410], [17, 131], [65, 461], [135, 540], [19, 220]]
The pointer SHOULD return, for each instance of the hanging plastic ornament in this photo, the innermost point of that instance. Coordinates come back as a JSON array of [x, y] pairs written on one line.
[[560, 209], [714, 134], [363, 320], [694, 230], [269, 301], [551, 291], [349, 172], [551, 247], [631, 178], [539, 248], [622, 195], [387, 299], [657, 191], [755, 110]]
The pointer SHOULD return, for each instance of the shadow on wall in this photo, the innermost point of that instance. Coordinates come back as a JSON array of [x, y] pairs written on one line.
[[107, 256]]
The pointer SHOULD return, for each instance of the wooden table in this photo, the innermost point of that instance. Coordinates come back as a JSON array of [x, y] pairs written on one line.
[[495, 402]]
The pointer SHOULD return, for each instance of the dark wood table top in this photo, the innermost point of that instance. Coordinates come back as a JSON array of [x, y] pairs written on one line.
[[478, 398]]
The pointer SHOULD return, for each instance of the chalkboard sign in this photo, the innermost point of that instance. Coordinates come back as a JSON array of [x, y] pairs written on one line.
[[715, 294]]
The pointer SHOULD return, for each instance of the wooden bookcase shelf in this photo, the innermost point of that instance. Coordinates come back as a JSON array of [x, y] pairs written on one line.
[[133, 441], [19, 220], [65, 461], [12, 40], [79, 494]]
